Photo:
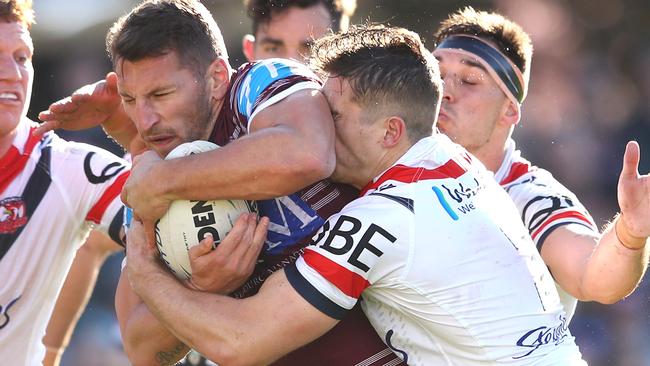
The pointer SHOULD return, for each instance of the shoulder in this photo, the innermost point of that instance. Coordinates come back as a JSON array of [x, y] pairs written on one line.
[[76, 159], [387, 205], [266, 72], [537, 181]]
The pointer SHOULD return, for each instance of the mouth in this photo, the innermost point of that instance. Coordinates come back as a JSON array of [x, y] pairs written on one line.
[[442, 115], [159, 143], [9, 97]]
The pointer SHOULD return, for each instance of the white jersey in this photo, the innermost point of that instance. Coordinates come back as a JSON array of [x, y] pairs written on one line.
[[447, 273], [51, 193], [544, 204]]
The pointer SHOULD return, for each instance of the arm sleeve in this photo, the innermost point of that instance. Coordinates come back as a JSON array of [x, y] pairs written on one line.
[[351, 252], [105, 174], [264, 83], [545, 204]]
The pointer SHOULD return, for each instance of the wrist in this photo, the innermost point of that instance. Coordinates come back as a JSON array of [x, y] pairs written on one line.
[[625, 238], [162, 172], [143, 273]]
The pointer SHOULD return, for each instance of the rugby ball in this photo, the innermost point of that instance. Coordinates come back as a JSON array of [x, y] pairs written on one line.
[[186, 223]]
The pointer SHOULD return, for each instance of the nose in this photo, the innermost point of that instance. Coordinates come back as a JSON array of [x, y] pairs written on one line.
[[448, 87], [9, 68], [145, 115]]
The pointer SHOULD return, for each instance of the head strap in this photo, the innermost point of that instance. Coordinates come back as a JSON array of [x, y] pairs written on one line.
[[504, 71]]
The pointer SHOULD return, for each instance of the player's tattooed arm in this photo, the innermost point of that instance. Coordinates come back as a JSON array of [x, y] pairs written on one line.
[[170, 357]]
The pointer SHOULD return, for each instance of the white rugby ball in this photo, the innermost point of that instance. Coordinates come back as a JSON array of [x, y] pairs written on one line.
[[186, 223]]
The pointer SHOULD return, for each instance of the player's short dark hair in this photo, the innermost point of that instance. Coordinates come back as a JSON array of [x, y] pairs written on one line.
[[17, 11], [157, 27], [389, 71], [507, 35], [261, 11]]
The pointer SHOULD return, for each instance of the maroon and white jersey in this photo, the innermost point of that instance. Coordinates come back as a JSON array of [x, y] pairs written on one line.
[[543, 203], [296, 217], [52, 192]]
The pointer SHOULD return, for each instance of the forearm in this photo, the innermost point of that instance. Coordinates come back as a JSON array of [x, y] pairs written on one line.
[[274, 322], [614, 270], [270, 163], [148, 342], [187, 316]]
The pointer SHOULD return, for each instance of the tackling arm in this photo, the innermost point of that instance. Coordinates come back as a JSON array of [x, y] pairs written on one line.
[[291, 145], [146, 341], [226, 330]]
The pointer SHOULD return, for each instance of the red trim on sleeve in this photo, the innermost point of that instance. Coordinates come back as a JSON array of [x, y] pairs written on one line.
[[97, 211], [407, 174], [516, 171], [563, 215], [350, 283], [13, 162]]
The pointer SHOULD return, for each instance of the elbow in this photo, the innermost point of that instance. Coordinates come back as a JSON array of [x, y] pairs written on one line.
[[161, 358], [603, 299], [317, 167], [605, 296], [140, 353], [136, 357], [234, 354]]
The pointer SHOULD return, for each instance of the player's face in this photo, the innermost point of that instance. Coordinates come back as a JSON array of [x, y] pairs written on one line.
[[289, 34], [16, 74], [358, 136], [167, 102], [472, 102]]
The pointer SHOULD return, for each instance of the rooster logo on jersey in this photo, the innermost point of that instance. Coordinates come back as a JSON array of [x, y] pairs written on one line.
[[12, 215]]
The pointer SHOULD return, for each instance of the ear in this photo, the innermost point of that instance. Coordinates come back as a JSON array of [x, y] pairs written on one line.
[[219, 78], [512, 113], [248, 46], [394, 131]]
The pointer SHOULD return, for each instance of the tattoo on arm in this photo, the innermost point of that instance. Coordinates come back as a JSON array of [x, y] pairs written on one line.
[[170, 357]]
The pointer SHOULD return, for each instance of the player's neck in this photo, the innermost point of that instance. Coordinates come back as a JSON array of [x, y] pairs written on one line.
[[6, 141], [491, 155]]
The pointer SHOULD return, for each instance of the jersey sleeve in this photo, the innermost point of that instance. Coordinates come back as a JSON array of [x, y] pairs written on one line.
[[352, 251], [545, 204], [103, 175], [267, 82]]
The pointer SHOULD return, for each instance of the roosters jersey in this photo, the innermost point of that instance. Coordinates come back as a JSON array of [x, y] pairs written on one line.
[[51, 193], [294, 218], [447, 273], [544, 204]]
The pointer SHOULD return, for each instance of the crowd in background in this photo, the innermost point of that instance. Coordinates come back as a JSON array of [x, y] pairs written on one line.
[[589, 93]]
